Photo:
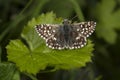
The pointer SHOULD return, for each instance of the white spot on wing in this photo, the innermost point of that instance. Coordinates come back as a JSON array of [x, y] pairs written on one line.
[[53, 30]]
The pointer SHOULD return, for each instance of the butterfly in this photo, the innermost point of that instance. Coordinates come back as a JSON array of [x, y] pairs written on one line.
[[66, 35]]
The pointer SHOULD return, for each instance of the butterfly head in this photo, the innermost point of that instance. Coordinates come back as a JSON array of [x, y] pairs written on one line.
[[66, 22]]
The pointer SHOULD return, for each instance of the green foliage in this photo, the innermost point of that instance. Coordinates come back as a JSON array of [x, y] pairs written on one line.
[[77, 9], [7, 72], [108, 19], [35, 55], [99, 78], [65, 8]]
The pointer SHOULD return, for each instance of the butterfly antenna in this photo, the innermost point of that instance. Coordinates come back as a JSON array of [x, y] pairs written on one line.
[[74, 17]]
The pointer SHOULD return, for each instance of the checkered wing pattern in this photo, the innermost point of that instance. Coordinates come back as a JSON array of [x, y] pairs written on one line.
[[77, 40], [85, 28], [50, 33], [80, 31], [69, 36]]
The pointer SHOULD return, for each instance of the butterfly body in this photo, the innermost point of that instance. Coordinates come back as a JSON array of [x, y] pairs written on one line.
[[67, 35], [66, 31]]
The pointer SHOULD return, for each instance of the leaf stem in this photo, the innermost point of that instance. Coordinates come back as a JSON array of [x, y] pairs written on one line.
[[13, 24], [77, 10], [31, 76], [28, 4]]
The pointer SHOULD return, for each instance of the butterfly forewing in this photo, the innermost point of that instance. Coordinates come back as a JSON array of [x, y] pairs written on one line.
[[50, 33], [85, 28], [46, 30]]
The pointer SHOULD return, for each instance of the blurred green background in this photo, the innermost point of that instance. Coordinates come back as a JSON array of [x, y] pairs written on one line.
[[105, 63]]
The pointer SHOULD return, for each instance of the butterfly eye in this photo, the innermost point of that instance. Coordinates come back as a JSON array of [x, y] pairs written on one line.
[[65, 21]]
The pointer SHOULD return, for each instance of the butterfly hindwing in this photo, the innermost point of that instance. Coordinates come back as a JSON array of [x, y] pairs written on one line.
[[78, 40], [80, 32], [54, 42]]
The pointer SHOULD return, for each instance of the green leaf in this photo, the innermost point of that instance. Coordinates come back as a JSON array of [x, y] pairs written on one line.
[[108, 20], [0, 53], [16, 75], [37, 56], [107, 33], [7, 71]]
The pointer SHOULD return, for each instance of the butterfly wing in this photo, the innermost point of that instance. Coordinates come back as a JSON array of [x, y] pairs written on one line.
[[77, 40], [79, 33], [45, 30], [55, 38], [50, 32], [85, 28]]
